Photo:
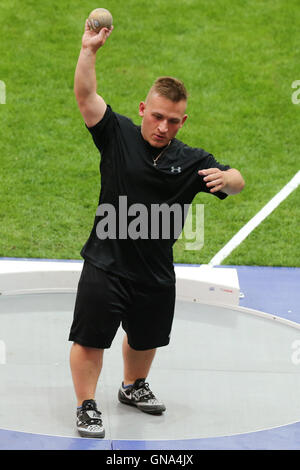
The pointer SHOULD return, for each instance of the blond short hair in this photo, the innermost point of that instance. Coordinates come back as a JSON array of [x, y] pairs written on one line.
[[171, 88]]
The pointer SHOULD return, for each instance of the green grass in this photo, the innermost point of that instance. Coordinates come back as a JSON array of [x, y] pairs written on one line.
[[238, 60]]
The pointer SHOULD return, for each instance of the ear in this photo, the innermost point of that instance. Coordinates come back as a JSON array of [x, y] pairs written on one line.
[[142, 108], [183, 120]]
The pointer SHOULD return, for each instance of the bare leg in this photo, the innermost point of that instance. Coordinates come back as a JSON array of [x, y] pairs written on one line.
[[86, 365], [136, 363]]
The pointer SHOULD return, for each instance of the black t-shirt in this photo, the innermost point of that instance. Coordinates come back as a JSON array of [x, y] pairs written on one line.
[[129, 179]]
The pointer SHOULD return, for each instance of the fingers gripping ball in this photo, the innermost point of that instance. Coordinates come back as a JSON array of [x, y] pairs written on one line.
[[100, 18]]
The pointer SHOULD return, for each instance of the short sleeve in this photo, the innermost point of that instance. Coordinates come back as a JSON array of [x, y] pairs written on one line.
[[103, 131]]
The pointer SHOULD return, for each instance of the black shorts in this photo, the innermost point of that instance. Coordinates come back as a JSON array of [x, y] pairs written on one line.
[[105, 300]]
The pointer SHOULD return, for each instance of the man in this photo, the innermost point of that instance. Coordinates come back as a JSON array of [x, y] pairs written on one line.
[[126, 280]]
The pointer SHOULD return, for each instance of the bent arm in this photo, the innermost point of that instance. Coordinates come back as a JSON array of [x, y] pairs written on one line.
[[229, 181], [234, 182], [91, 105]]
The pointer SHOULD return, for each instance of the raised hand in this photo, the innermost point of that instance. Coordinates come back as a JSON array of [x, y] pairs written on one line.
[[92, 40]]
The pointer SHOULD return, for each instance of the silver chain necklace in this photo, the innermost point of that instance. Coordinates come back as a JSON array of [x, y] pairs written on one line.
[[160, 154]]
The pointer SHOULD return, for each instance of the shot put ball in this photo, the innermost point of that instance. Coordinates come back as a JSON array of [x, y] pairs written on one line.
[[100, 18]]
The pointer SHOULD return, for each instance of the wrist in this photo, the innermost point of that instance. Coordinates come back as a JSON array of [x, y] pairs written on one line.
[[88, 51]]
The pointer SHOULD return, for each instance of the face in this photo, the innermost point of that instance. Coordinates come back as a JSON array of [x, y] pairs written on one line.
[[162, 119]]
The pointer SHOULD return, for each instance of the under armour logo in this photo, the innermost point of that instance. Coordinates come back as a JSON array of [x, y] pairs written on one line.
[[176, 170]]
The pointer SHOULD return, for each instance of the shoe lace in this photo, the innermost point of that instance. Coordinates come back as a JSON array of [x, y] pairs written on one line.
[[91, 420], [144, 392]]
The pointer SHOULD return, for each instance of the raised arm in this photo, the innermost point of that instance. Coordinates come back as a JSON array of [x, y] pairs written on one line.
[[91, 105]]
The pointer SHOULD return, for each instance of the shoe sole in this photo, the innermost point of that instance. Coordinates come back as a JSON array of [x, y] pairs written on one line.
[[92, 435], [151, 412]]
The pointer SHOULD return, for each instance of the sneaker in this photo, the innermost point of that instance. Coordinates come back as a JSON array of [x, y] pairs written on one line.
[[89, 423], [140, 395]]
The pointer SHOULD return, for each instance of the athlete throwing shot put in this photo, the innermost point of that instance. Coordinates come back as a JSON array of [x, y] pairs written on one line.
[[125, 280]]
